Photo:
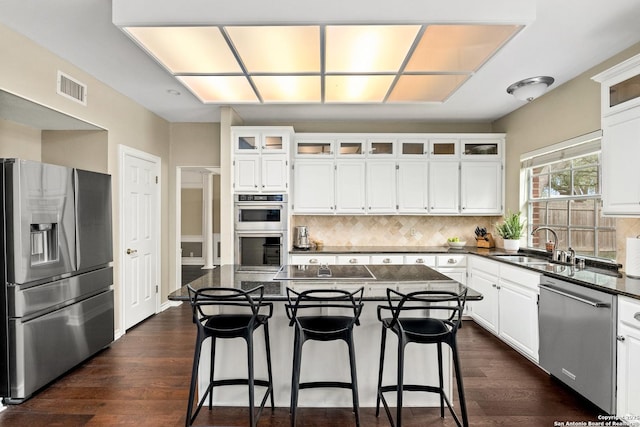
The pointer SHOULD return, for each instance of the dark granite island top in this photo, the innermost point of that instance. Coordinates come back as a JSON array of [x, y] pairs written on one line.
[[411, 277]]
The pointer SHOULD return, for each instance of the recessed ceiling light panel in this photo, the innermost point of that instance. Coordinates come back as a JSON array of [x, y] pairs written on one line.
[[458, 47], [425, 88], [220, 89], [281, 49], [187, 49], [292, 89], [357, 88], [367, 48]]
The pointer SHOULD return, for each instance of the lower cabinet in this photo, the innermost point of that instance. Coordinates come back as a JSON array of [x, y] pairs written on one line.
[[509, 308], [628, 403]]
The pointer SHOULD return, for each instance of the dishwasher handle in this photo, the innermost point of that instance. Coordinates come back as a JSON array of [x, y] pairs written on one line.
[[597, 304]]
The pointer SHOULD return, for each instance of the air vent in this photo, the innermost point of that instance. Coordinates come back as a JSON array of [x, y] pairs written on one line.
[[72, 89]]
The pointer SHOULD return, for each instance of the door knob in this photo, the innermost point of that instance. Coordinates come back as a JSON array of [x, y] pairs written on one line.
[[132, 251]]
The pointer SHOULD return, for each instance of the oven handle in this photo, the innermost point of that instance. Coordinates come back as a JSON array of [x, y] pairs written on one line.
[[597, 304]]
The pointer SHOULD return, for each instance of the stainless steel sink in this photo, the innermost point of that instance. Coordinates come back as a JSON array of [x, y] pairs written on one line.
[[523, 259]]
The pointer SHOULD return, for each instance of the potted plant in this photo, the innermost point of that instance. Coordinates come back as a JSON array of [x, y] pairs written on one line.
[[511, 230]]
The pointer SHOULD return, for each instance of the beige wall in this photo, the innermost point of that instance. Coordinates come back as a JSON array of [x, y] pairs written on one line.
[[567, 111], [19, 141], [191, 211], [30, 71], [87, 150]]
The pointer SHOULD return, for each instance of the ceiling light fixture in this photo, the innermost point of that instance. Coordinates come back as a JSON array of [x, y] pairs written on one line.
[[531, 88]]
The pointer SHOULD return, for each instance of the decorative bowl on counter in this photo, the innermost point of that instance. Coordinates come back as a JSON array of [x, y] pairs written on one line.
[[457, 244]]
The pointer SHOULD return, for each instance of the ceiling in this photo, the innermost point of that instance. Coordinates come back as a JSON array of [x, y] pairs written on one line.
[[561, 39]]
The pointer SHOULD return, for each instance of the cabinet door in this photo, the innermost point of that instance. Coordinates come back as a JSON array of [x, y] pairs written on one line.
[[481, 188], [485, 311], [247, 173], [628, 403], [313, 186], [412, 187], [444, 187], [275, 173], [246, 141], [381, 186], [274, 141], [621, 179], [518, 317], [350, 185]]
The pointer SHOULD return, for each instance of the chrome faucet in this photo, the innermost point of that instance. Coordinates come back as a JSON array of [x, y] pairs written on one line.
[[556, 255]]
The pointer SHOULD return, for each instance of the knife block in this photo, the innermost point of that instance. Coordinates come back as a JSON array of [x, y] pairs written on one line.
[[486, 241]]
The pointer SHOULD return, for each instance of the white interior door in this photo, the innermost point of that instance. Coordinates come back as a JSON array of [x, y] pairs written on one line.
[[139, 221]]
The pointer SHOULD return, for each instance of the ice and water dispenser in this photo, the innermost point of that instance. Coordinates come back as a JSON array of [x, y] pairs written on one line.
[[44, 243]]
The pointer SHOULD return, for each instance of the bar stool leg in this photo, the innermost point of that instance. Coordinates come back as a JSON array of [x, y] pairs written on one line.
[[194, 380], [401, 345], [213, 363], [354, 378], [441, 380], [269, 372], [252, 415], [463, 403], [383, 341], [295, 378]]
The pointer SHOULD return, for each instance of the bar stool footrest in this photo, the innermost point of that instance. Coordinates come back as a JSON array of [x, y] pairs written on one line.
[[324, 384]]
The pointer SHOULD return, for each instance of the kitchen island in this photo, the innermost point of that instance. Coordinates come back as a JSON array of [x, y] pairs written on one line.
[[326, 360]]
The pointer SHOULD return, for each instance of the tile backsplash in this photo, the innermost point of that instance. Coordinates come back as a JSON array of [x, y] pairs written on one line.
[[392, 230], [407, 230]]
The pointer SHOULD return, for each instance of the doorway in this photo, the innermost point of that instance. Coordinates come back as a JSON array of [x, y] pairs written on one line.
[[194, 237]]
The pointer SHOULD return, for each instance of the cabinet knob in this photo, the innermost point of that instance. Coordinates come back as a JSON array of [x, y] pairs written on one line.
[[313, 261], [353, 261], [620, 338], [451, 261], [386, 261], [419, 261], [637, 316], [493, 285]]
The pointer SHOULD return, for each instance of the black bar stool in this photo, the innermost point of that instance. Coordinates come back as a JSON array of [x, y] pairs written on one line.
[[323, 327], [241, 325], [444, 318]]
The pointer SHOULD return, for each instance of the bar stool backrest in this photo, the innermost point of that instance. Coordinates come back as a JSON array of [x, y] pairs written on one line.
[[250, 302], [317, 302], [446, 306]]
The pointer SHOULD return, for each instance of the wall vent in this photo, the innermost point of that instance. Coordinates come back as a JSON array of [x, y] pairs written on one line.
[[71, 88]]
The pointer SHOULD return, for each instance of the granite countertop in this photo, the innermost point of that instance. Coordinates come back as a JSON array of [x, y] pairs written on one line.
[[604, 279], [275, 290]]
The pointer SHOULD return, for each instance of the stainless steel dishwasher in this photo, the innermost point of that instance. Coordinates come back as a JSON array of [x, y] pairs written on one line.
[[577, 339]]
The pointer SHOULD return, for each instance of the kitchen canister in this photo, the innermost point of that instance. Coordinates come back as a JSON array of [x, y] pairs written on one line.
[[633, 257]]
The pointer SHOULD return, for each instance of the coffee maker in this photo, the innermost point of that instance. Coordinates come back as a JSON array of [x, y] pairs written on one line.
[[301, 237]]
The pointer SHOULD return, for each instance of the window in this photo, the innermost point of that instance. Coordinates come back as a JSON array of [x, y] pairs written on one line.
[[563, 193]]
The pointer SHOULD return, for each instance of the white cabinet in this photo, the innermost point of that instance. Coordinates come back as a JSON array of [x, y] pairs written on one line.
[[403, 173], [628, 377], [350, 186], [481, 188], [261, 160], [620, 180], [509, 307], [351, 259], [428, 260], [620, 109], [313, 186], [483, 278], [381, 186], [518, 309], [444, 187], [312, 259], [388, 259], [412, 187]]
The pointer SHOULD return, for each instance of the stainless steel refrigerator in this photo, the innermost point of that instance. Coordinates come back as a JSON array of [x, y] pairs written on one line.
[[56, 297]]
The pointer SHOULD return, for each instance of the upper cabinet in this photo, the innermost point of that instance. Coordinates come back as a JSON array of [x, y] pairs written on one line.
[[437, 174], [620, 104], [261, 159]]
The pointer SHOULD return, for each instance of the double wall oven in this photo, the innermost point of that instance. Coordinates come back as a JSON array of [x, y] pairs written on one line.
[[261, 231]]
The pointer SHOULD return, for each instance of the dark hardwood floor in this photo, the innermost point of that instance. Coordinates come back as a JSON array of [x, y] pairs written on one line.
[[142, 380]]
